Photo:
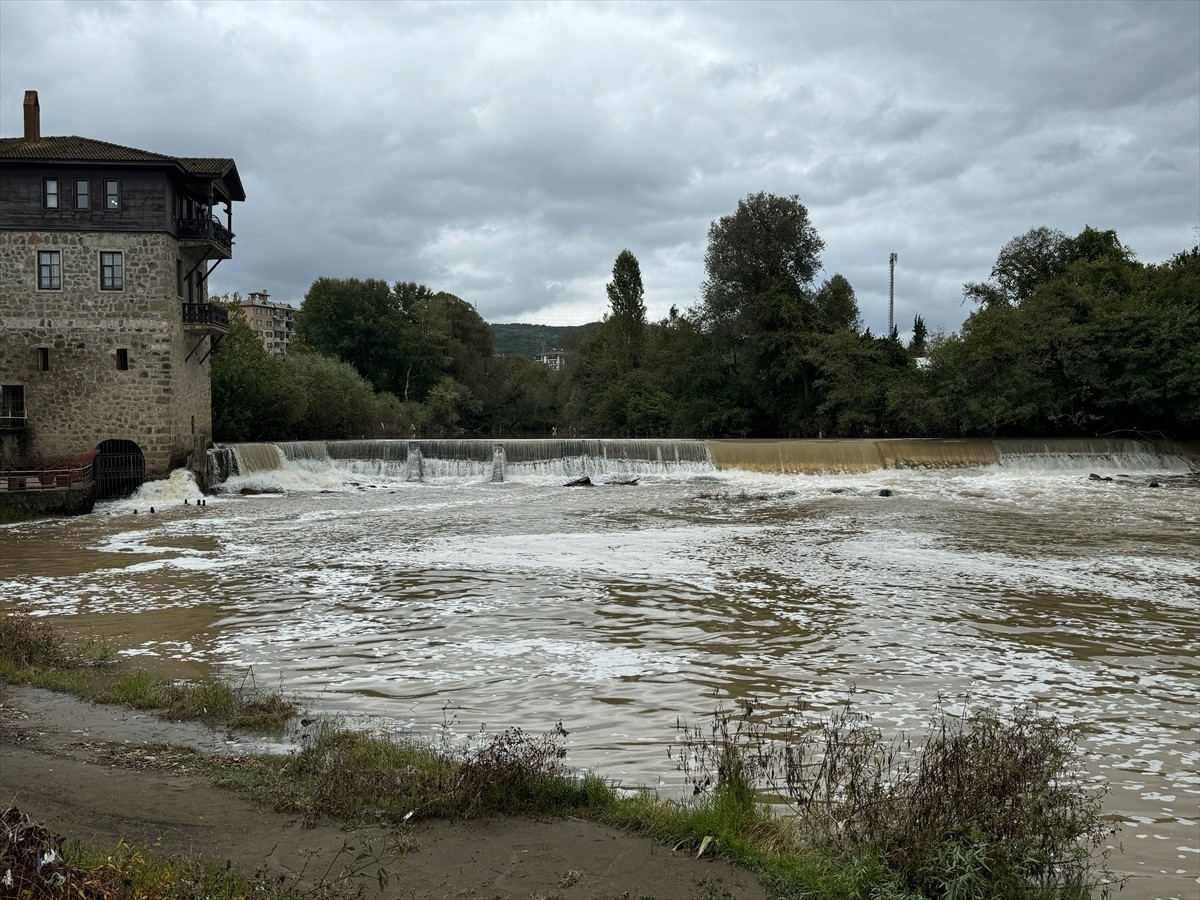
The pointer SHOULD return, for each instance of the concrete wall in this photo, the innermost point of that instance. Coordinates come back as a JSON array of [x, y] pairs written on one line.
[[162, 402]]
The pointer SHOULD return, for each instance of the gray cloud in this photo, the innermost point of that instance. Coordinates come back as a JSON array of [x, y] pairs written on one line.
[[508, 152]]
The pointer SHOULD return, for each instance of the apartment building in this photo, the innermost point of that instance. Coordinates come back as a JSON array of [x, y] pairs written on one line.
[[274, 323]]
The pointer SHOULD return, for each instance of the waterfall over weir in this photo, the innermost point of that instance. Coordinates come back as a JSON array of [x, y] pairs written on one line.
[[500, 460], [491, 460]]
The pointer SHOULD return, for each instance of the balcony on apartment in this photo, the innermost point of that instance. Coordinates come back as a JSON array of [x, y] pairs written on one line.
[[206, 233]]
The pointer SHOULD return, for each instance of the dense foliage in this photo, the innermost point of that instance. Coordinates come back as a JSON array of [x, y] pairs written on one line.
[[1068, 336]]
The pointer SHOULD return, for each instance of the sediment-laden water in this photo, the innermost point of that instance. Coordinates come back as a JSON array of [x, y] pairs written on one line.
[[476, 590]]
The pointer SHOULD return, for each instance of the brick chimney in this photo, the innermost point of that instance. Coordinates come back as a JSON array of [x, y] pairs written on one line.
[[33, 117]]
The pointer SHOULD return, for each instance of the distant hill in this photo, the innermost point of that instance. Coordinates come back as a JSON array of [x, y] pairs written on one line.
[[519, 339]]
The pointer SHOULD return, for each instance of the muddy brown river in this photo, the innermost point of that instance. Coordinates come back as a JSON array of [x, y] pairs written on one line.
[[412, 595]]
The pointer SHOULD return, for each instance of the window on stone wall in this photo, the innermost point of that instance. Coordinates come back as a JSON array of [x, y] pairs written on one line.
[[112, 193], [12, 406], [82, 194], [123, 359], [43, 359], [50, 193], [112, 270], [49, 270]]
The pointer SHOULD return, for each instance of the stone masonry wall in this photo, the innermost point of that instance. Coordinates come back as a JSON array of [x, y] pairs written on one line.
[[84, 398]]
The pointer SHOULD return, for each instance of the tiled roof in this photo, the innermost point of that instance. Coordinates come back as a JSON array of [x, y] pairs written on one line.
[[205, 165], [76, 149]]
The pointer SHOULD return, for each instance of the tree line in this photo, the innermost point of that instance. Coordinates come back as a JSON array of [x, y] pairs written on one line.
[[1068, 336]]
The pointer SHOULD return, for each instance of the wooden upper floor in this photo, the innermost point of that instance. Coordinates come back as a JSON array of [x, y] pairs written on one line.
[[72, 183]]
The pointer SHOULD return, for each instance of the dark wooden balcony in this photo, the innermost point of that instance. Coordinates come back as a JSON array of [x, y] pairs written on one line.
[[205, 318], [206, 232]]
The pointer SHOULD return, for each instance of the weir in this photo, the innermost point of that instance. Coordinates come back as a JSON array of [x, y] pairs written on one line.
[[498, 460], [868, 455]]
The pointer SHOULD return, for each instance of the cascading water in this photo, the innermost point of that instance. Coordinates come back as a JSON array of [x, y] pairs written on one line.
[[228, 460], [504, 460]]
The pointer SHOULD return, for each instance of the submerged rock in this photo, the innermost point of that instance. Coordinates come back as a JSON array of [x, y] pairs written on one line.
[[623, 481], [262, 490], [885, 493], [579, 482]]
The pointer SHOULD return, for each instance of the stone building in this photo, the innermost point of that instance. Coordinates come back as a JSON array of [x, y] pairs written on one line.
[[274, 323], [105, 326]]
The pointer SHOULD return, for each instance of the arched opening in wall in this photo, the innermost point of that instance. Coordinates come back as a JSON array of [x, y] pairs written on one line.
[[119, 469]]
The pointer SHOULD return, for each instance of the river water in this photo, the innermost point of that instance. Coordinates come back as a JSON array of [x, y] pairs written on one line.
[[455, 599]]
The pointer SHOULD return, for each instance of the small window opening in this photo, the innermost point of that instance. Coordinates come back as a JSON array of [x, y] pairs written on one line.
[[43, 359], [193, 424], [122, 359], [82, 199]]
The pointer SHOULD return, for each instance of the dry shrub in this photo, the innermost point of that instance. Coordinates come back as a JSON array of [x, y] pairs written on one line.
[[996, 802]]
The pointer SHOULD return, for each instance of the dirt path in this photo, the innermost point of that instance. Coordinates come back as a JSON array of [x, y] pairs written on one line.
[[85, 772]]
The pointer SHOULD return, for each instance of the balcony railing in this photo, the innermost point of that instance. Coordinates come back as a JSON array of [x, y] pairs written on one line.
[[206, 229], [205, 317]]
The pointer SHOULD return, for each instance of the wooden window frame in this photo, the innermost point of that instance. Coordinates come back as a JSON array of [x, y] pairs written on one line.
[[49, 194], [85, 194], [112, 198], [114, 278], [49, 273]]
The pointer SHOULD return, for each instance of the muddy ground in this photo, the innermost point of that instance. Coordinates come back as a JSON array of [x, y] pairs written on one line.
[[93, 773]]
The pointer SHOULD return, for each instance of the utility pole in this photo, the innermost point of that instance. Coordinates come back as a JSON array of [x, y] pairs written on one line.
[[891, 293]]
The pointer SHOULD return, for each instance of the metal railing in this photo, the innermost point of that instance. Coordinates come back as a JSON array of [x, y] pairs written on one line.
[[69, 476]]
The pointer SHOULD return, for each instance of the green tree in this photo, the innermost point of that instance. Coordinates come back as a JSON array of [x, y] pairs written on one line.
[[760, 309], [448, 403], [836, 307], [626, 318], [519, 396], [250, 397], [337, 402], [766, 249], [917, 345], [359, 322]]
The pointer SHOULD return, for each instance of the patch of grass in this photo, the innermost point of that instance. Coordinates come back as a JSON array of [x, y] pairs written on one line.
[[34, 651], [210, 700], [359, 777]]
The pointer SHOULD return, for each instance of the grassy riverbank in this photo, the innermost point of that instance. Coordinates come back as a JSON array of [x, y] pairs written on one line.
[[982, 805], [34, 652]]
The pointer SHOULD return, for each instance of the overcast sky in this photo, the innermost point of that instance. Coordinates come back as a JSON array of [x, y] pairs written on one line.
[[507, 152]]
